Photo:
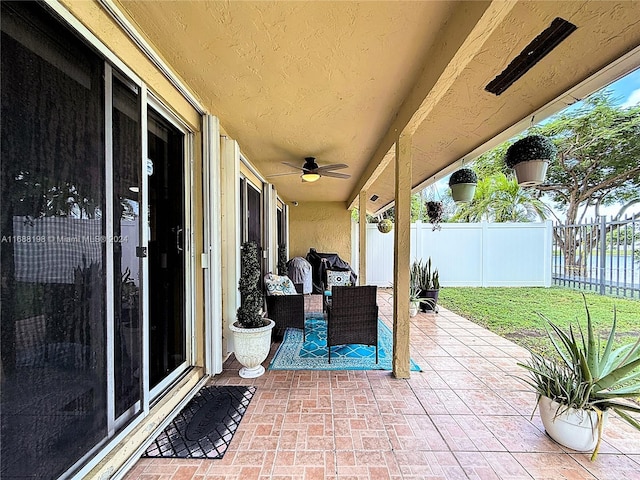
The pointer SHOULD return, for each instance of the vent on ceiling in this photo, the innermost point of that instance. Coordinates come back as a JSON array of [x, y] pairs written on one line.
[[373, 198], [549, 39]]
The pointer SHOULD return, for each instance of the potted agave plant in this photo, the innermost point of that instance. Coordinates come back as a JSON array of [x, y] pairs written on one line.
[[530, 157], [251, 331], [463, 184], [576, 390]]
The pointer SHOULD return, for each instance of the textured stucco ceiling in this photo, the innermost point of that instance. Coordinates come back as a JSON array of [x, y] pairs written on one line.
[[335, 80]]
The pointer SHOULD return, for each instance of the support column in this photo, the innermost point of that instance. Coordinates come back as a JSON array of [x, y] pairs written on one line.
[[230, 241], [401, 254], [362, 247]]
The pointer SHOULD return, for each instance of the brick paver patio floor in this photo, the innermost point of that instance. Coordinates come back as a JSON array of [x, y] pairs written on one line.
[[463, 417]]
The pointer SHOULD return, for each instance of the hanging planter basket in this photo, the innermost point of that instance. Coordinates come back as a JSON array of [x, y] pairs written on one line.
[[385, 225], [531, 173], [463, 192], [463, 184], [530, 157], [435, 210]]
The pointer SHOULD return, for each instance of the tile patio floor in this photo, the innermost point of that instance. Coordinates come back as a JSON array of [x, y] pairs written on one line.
[[462, 417]]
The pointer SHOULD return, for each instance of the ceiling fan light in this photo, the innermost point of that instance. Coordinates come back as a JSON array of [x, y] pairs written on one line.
[[310, 177]]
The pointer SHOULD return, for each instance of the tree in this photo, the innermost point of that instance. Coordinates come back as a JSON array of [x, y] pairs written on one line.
[[598, 160], [500, 199], [597, 165]]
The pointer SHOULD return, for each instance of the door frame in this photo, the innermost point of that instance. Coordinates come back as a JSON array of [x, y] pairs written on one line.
[[211, 260]]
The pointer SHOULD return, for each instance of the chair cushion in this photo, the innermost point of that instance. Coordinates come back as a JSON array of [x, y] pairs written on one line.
[[338, 278], [279, 285]]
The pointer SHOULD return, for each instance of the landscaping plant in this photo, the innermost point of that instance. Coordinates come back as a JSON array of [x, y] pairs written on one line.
[[587, 375]]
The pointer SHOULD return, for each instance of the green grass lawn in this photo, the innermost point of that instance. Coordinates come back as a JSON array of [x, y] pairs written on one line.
[[514, 312]]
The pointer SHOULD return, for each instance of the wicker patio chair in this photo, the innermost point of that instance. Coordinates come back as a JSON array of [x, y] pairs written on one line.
[[335, 278], [352, 317], [287, 311]]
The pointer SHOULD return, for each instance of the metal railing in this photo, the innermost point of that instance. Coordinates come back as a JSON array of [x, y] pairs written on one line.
[[599, 255]]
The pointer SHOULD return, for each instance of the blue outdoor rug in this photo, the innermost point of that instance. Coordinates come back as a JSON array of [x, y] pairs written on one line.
[[294, 354]]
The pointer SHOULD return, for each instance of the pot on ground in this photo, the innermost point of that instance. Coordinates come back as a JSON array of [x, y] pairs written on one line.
[[252, 346], [413, 308], [575, 429], [429, 300]]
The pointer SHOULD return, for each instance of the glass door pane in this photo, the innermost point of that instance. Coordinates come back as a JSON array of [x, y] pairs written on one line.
[[167, 310], [254, 214], [53, 370], [127, 155]]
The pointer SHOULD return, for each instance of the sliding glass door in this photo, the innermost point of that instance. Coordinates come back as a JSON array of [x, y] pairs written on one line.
[[54, 369], [167, 233], [94, 318]]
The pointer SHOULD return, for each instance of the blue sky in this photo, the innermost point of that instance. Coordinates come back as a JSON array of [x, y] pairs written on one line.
[[628, 89]]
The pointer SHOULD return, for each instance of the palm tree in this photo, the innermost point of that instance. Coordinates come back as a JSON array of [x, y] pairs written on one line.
[[500, 199]]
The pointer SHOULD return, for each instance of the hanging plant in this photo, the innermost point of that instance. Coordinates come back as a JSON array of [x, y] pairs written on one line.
[[533, 147], [435, 211], [464, 175], [463, 185], [530, 157], [385, 225]]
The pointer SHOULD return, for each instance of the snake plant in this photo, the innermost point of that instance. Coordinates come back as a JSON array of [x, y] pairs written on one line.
[[588, 375], [423, 277]]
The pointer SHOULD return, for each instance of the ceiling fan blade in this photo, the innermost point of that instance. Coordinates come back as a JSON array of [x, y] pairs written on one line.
[[297, 167], [335, 175], [334, 166], [282, 174]]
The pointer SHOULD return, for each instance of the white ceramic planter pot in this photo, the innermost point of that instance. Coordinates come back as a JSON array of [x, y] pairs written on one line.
[[532, 172], [413, 308], [575, 429], [463, 192], [252, 347]]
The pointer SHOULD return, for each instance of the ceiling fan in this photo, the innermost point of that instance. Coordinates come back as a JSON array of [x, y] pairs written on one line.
[[312, 172]]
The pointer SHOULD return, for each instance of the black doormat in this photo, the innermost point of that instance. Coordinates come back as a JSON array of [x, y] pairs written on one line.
[[205, 426]]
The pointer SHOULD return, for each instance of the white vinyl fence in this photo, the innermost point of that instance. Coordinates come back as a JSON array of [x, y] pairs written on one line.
[[469, 254]]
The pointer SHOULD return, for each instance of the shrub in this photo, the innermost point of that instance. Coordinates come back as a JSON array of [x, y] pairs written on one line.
[[533, 147]]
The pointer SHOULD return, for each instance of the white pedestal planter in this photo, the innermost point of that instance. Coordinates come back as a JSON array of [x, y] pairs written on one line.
[[413, 308], [575, 429], [530, 173], [252, 347]]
